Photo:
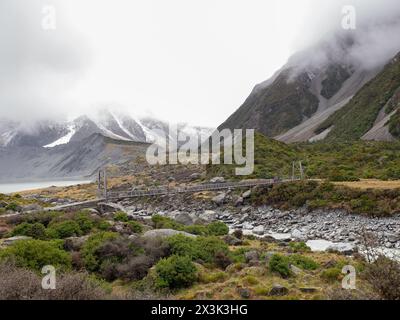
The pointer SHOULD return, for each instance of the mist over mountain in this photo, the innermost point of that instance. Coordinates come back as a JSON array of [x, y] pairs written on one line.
[[322, 82]]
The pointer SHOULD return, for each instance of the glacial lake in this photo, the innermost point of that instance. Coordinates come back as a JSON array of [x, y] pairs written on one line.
[[24, 186]]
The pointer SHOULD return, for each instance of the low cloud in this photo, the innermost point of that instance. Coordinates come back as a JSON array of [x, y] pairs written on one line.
[[374, 41], [38, 67]]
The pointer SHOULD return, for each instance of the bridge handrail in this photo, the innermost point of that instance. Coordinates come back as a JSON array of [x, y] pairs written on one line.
[[196, 188]]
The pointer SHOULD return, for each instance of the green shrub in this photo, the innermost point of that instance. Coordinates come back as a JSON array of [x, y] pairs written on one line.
[[90, 247], [197, 229], [85, 222], [12, 206], [299, 247], [175, 272], [35, 230], [183, 246], [331, 274], [135, 226], [303, 262], [204, 249], [121, 216], [161, 222], [36, 254], [66, 229], [217, 228], [281, 265]]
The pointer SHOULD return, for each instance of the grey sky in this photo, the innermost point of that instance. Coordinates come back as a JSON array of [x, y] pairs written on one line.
[[180, 60]]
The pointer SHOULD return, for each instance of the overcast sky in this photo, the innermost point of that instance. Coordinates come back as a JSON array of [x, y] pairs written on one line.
[[189, 61]]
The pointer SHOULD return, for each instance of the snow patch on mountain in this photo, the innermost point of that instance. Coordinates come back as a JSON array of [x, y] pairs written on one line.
[[63, 140]]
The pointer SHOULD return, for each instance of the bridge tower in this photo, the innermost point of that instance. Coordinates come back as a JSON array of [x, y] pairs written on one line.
[[102, 184], [297, 166]]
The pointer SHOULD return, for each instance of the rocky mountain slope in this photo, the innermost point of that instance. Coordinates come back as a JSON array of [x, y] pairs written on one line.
[[310, 97], [49, 150], [71, 160], [112, 124]]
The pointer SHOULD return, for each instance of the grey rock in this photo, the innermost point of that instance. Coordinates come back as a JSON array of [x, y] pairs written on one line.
[[12, 240], [208, 215], [239, 201], [259, 230], [165, 233], [195, 176], [298, 235], [217, 180], [297, 271], [232, 241], [184, 218], [75, 243], [278, 290], [244, 293], [252, 256], [246, 194], [219, 199], [309, 289], [32, 207], [342, 248]]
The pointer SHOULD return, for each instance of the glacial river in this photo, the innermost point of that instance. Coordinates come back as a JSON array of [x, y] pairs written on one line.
[[24, 186]]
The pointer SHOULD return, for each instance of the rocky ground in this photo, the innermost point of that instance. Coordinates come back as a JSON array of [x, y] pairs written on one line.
[[298, 224], [236, 210]]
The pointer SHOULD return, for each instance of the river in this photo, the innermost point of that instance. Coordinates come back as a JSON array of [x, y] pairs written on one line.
[[33, 185]]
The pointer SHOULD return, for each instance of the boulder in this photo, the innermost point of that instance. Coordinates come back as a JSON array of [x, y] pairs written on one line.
[[31, 207], [239, 201], [165, 233], [252, 256], [184, 218], [278, 290], [259, 230], [110, 207], [219, 199], [217, 180], [246, 194], [195, 176], [10, 241], [297, 271], [244, 293], [342, 248], [309, 289], [75, 243], [208, 216], [232, 241], [298, 235]]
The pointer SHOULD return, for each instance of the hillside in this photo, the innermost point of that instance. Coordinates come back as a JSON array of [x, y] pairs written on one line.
[[336, 161], [356, 118], [75, 159]]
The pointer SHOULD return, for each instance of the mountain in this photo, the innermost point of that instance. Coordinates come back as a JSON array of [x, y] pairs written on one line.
[[71, 160], [373, 112], [322, 92], [110, 123], [75, 149]]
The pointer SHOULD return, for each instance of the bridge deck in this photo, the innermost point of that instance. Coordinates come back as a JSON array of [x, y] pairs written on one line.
[[193, 189], [114, 195]]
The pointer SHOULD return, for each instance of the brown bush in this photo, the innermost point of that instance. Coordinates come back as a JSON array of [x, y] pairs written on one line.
[[23, 284], [130, 259], [384, 277]]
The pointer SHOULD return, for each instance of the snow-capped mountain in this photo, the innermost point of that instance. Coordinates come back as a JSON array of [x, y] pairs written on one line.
[[78, 148], [113, 124]]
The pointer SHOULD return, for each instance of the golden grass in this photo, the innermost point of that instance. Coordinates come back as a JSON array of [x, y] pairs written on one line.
[[371, 184]]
